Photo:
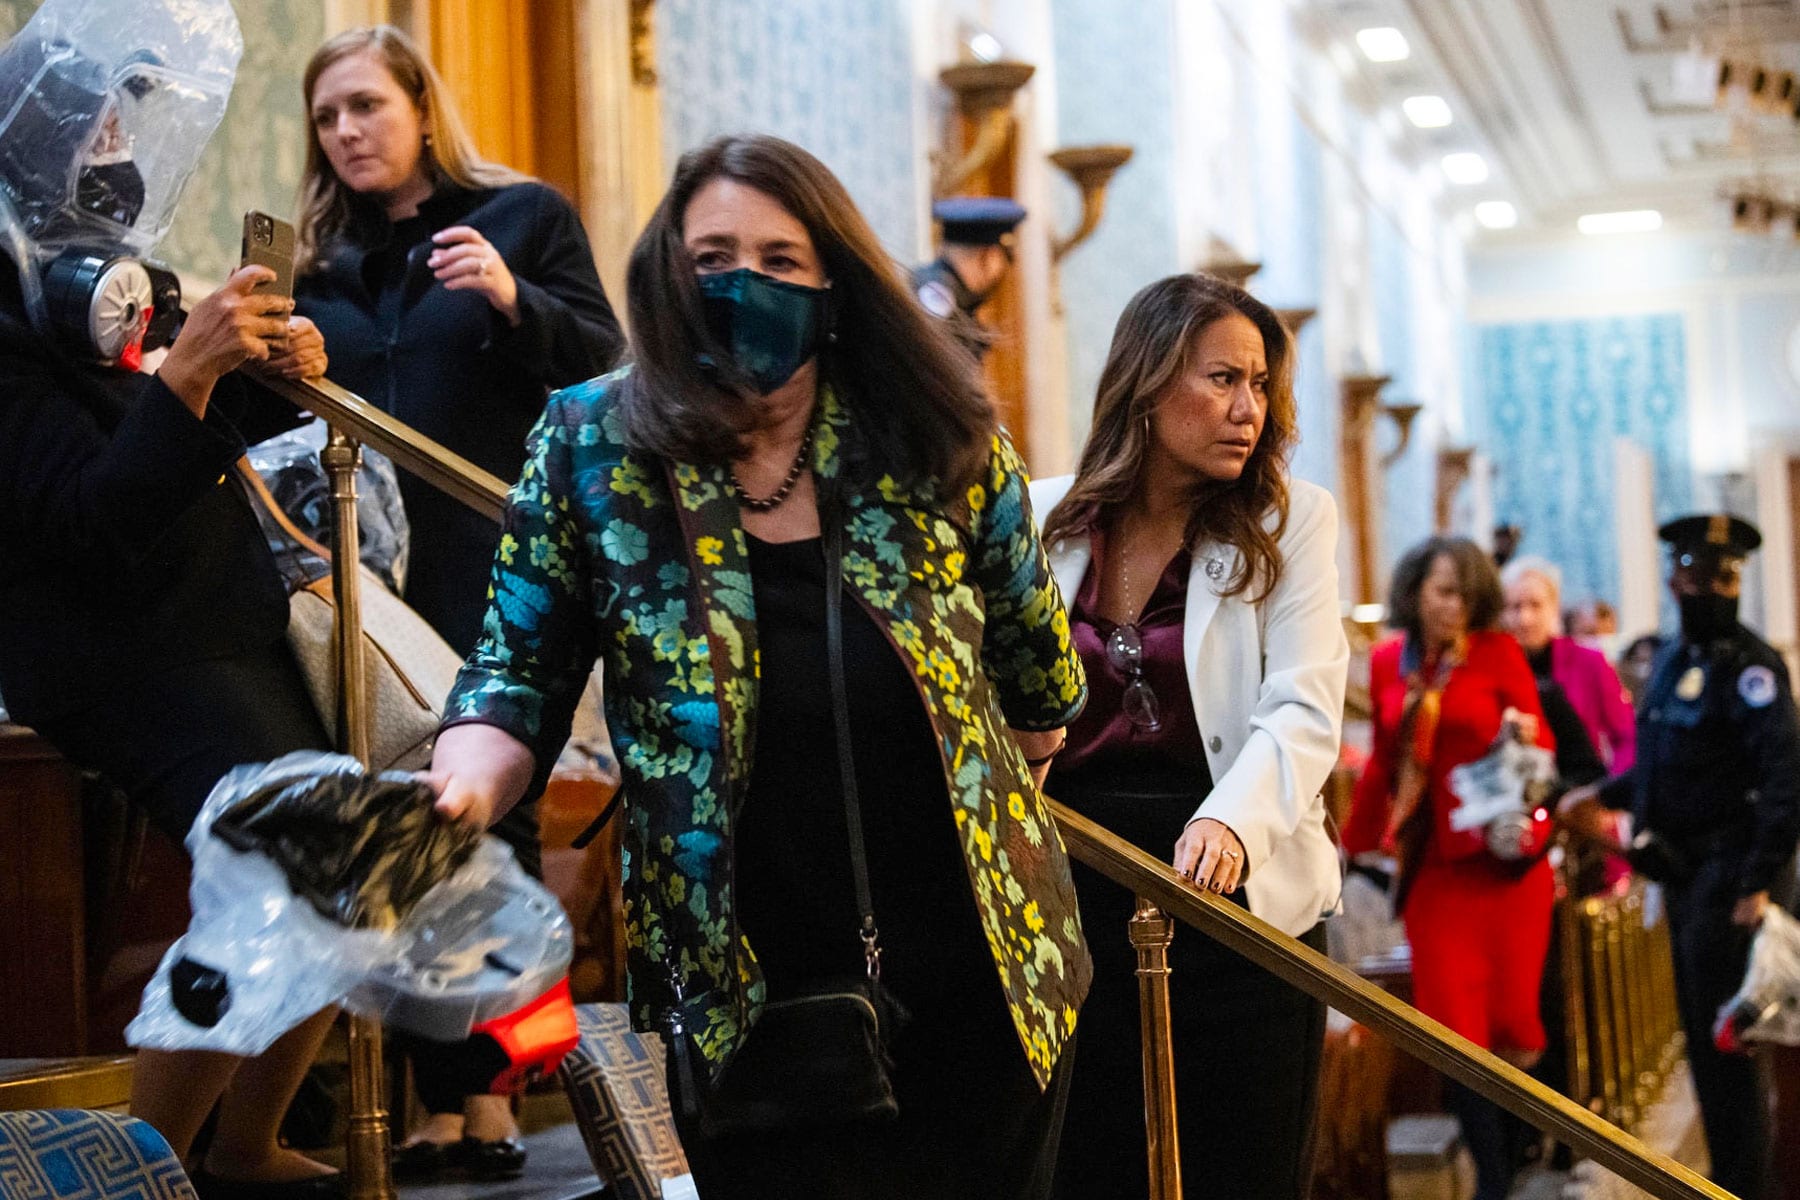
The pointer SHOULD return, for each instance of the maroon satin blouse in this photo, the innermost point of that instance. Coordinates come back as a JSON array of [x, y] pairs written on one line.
[[1103, 735]]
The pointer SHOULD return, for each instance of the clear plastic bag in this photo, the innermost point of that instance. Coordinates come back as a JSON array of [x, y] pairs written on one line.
[[257, 959], [105, 108], [1767, 1007], [1510, 780], [289, 465]]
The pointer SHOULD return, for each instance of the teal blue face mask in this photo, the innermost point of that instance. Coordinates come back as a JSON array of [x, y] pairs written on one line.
[[771, 327]]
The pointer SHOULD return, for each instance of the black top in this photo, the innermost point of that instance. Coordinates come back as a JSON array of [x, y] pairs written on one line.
[[126, 545], [1718, 756], [1577, 762], [446, 363], [796, 902]]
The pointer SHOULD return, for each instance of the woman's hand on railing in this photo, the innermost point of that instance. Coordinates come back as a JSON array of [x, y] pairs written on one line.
[[1210, 854], [303, 357], [229, 328], [478, 773]]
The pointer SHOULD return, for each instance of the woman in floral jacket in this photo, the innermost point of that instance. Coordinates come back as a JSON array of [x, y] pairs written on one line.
[[669, 522]]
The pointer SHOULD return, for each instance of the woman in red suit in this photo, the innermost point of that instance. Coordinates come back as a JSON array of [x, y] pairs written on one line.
[[1479, 925]]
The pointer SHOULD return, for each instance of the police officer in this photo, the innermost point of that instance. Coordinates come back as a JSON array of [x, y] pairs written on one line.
[[976, 254], [1715, 798]]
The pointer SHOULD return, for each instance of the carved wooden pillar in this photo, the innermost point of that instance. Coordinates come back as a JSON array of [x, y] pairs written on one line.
[[1453, 464], [984, 162], [513, 71], [1359, 397]]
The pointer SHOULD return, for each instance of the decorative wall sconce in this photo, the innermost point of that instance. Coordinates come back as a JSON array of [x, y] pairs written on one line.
[[984, 93], [1358, 398], [1295, 319], [1453, 466], [1226, 263], [1091, 169], [1402, 416]]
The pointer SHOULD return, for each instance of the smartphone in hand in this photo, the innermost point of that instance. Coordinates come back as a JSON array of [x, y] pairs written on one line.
[[269, 242]]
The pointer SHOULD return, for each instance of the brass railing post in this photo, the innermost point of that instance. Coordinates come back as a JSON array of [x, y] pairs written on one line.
[[366, 1141], [1151, 932]]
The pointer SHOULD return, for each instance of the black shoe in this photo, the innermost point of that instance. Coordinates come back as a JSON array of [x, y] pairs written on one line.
[[208, 1186], [418, 1162], [501, 1159]]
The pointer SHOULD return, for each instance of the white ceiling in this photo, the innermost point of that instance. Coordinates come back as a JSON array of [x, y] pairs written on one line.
[[1570, 100]]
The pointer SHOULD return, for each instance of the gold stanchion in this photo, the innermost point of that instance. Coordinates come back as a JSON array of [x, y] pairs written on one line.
[[1593, 937], [366, 1143], [1618, 1016], [1151, 932], [1575, 997]]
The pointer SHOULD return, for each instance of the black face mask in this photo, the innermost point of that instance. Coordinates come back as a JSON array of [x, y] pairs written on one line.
[[1707, 617], [114, 191]]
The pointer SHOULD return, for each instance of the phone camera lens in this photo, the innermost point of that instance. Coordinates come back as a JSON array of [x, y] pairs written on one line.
[[264, 230]]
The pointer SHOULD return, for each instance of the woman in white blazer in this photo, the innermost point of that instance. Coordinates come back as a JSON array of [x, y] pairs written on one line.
[[1202, 585]]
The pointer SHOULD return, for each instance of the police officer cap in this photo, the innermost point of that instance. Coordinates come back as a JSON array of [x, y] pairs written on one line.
[[978, 220], [1710, 536]]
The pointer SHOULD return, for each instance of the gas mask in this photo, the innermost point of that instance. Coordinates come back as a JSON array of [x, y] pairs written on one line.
[[105, 108]]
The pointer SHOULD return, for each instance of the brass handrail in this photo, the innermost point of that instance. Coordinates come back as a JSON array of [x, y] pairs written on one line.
[[367, 425], [1403, 1025], [1119, 861]]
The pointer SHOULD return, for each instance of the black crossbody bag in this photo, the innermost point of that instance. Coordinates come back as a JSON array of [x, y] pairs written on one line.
[[821, 1057]]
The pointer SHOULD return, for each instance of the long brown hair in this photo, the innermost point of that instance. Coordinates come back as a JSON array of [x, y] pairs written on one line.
[[327, 207], [1151, 348], [920, 412], [1476, 579]]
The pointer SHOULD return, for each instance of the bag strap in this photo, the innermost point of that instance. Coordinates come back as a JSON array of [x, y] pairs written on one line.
[[840, 713]]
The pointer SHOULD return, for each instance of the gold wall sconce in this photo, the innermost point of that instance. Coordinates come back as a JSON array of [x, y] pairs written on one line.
[[1091, 168], [1225, 263], [1402, 415], [1454, 464], [1295, 319], [984, 93], [1358, 397]]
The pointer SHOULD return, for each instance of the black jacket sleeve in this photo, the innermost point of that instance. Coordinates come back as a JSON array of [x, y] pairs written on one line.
[[1772, 738], [1577, 762], [75, 495], [567, 331]]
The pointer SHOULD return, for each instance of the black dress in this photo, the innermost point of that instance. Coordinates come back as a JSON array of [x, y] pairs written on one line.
[[972, 1119], [1247, 1045]]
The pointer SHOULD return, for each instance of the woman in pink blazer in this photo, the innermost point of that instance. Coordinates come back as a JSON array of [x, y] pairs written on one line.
[[1533, 589]]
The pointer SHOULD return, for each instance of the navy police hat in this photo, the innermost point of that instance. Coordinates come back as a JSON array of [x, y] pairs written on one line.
[[1709, 539], [978, 220]]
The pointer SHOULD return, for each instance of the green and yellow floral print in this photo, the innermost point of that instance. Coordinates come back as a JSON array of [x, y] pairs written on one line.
[[643, 564]]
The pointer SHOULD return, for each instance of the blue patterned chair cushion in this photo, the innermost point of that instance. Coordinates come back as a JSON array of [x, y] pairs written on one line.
[[615, 1082], [71, 1154]]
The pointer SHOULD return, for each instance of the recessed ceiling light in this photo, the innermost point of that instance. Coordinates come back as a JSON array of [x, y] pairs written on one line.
[[1465, 167], [1637, 220], [1496, 214], [1383, 44], [1427, 112]]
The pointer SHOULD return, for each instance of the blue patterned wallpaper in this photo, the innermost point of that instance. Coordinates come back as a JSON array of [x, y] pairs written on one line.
[[832, 76], [254, 159], [1548, 399], [1114, 83]]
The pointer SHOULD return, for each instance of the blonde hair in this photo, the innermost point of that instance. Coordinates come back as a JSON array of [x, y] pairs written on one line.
[[1531, 566], [326, 204]]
